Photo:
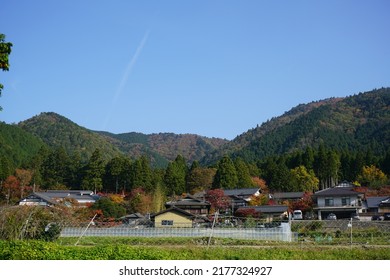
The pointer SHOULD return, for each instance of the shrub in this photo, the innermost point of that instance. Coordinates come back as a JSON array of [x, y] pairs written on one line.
[[30, 222]]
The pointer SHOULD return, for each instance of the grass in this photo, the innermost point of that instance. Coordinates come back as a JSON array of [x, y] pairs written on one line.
[[125, 248]]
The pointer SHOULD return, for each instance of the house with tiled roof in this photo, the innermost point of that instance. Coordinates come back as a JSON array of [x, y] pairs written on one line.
[[190, 204], [178, 218], [372, 204], [241, 197], [57, 197], [340, 200], [384, 205], [280, 197], [269, 212]]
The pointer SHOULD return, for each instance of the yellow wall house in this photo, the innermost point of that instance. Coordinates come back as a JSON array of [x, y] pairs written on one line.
[[173, 217]]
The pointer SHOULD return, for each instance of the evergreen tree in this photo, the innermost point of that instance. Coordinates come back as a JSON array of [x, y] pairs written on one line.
[[175, 176], [94, 172], [195, 164], [321, 167], [36, 165], [5, 169], [114, 169], [346, 161], [333, 168], [281, 177], [226, 176], [244, 179], [125, 177], [55, 169], [142, 174], [357, 165], [385, 164], [74, 171], [276, 173], [327, 165], [308, 158]]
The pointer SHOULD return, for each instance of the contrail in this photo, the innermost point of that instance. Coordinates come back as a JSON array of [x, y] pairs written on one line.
[[125, 77]]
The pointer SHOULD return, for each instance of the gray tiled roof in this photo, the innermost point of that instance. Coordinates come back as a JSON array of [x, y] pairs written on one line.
[[373, 202], [133, 216], [287, 195], [188, 200], [52, 196], [268, 208], [175, 209], [241, 192], [337, 191]]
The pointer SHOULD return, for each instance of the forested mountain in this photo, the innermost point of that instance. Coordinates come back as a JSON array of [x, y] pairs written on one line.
[[164, 147], [57, 131], [357, 122], [17, 145], [313, 146]]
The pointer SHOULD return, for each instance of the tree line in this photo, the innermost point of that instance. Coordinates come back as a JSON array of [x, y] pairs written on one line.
[[308, 170]]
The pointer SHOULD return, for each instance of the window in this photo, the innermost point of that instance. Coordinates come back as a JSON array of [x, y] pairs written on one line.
[[329, 201], [345, 201], [167, 222]]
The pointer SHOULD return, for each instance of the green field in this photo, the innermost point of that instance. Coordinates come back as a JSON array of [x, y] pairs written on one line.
[[117, 248]]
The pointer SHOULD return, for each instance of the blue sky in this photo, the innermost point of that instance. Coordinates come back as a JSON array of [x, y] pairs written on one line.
[[213, 68]]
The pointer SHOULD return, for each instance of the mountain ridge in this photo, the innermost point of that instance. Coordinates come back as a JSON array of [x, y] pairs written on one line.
[[350, 122], [58, 131], [353, 122]]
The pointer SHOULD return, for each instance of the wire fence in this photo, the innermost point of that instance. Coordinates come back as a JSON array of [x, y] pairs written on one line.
[[304, 232], [342, 232], [281, 232]]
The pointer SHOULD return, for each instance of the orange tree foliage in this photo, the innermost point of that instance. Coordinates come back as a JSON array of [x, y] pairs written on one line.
[[305, 203], [11, 189], [258, 182], [369, 192], [139, 201]]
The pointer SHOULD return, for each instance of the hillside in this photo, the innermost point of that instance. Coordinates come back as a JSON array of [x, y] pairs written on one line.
[[17, 145], [352, 123], [164, 147], [57, 131]]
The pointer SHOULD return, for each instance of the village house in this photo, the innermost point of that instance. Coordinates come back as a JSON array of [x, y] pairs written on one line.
[[340, 200], [374, 204], [178, 218], [269, 212], [79, 198], [190, 204], [241, 197]]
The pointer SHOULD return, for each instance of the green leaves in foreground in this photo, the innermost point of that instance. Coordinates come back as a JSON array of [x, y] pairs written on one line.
[[39, 250]]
